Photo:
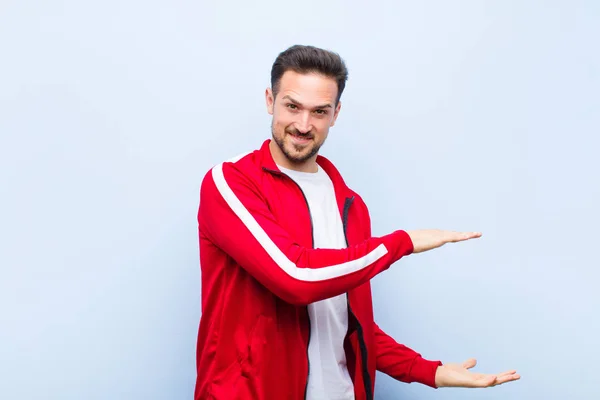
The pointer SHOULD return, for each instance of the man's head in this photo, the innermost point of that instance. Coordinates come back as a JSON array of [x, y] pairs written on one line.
[[304, 99]]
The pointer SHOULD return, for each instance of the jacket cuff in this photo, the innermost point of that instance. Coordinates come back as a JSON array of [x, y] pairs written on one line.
[[423, 371], [399, 244]]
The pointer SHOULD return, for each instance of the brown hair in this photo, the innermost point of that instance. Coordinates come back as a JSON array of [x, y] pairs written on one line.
[[307, 59]]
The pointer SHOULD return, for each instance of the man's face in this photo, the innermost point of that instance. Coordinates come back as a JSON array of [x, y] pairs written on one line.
[[303, 112]]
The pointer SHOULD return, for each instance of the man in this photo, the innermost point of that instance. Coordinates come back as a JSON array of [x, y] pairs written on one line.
[[286, 258]]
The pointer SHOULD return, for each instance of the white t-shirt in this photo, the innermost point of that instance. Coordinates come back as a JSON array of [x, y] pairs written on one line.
[[328, 377]]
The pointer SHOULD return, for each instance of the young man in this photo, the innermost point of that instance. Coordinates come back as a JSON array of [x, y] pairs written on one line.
[[286, 258]]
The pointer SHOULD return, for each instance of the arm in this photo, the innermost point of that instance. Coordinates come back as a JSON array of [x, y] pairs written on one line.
[[402, 363], [405, 365], [234, 216]]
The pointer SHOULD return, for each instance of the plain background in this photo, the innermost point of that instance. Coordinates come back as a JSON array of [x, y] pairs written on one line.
[[467, 115]]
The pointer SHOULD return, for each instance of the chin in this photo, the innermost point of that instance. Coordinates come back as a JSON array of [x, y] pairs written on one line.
[[292, 153]]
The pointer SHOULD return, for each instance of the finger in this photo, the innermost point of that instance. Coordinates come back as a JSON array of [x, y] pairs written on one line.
[[507, 378], [512, 372], [470, 363], [461, 236]]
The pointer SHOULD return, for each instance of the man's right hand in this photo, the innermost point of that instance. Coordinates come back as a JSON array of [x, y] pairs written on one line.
[[428, 239]]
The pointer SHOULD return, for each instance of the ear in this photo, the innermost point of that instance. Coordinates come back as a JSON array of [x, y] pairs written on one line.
[[336, 113], [270, 99]]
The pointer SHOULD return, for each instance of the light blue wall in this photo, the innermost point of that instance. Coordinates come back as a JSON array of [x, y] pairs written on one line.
[[460, 115]]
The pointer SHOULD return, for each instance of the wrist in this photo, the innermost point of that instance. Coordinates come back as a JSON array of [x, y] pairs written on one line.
[[440, 376]]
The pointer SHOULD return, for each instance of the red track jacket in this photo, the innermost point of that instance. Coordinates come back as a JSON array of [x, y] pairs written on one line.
[[260, 271]]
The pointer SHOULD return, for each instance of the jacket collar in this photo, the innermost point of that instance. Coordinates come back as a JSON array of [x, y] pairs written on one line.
[[268, 163]]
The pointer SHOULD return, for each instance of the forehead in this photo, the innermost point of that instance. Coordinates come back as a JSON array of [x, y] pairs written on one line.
[[308, 88]]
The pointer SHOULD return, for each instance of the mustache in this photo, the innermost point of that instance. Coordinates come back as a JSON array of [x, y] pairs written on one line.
[[294, 131]]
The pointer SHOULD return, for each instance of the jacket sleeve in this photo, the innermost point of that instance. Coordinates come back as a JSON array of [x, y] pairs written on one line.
[[403, 363], [234, 216]]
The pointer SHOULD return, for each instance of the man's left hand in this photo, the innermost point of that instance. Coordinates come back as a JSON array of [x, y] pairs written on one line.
[[458, 375]]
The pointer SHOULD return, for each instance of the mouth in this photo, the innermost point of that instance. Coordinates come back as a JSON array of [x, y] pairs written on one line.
[[300, 138]]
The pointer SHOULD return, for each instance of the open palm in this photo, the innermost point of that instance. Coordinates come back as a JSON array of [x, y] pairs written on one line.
[[458, 375]]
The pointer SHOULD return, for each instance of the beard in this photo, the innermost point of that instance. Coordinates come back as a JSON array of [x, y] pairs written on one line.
[[296, 154]]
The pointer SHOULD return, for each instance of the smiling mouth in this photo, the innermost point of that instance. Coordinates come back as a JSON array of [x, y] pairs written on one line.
[[299, 137]]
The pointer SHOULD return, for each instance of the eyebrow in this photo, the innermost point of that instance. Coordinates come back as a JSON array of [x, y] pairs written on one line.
[[299, 104]]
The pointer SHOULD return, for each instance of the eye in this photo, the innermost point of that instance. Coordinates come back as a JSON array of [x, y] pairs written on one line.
[[292, 106], [321, 112]]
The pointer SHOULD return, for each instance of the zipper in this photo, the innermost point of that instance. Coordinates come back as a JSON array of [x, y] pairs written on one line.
[[361, 338], [363, 354], [312, 238], [347, 203]]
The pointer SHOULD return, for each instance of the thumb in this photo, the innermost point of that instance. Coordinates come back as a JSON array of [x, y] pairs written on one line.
[[470, 363]]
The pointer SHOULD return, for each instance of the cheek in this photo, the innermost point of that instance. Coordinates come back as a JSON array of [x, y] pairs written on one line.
[[322, 126], [281, 121]]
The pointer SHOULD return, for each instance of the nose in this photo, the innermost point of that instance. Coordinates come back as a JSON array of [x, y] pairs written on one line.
[[304, 122]]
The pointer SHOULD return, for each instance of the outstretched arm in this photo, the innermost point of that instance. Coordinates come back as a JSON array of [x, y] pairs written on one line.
[[235, 217], [406, 365]]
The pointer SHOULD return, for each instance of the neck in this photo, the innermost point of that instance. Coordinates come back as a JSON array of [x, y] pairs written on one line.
[[309, 165]]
